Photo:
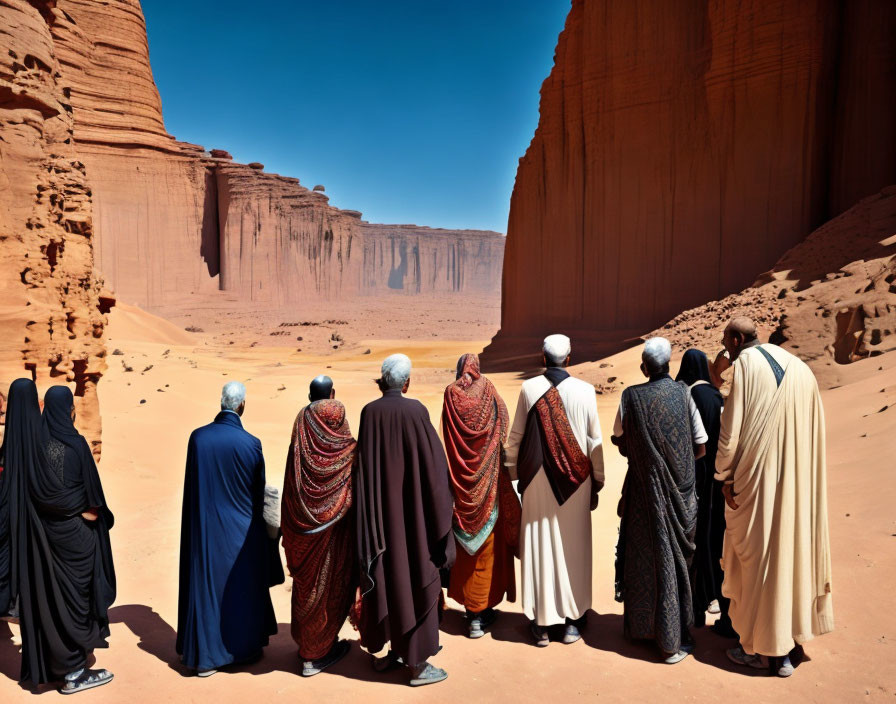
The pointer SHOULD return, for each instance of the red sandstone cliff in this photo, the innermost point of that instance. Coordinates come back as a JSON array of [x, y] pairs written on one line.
[[683, 147], [51, 310], [172, 219], [93, 183]]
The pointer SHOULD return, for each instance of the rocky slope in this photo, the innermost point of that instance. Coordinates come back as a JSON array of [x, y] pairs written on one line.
[[52, 311], [682, 148], [831, 299]]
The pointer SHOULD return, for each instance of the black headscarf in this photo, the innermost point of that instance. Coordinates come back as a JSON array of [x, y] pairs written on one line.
[[21, 455], [57, 417], [694, 367]]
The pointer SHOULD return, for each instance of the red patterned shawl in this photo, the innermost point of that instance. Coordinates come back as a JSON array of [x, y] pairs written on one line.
[[317, 488], [550, 442], [474, 427]]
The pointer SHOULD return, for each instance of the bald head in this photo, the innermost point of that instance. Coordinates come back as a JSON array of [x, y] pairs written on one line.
[[321, 388], [744, 327], [739, 334]]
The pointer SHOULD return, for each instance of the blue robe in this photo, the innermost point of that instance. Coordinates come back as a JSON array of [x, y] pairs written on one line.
[[225, 613]]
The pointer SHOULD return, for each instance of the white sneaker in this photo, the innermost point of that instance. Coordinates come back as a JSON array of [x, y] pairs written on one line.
[[786, 669], [739, 657], [714, 607]]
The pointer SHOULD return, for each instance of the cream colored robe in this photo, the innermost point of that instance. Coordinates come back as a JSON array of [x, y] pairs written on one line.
[[777, 556], [555, 541]]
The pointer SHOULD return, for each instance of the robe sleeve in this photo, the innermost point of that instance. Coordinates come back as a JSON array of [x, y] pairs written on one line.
[[595, 448], [515, 437], [698, 430], [617, 424], [729, 434]]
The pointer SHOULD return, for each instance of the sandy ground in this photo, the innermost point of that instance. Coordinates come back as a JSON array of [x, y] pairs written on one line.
[[174, 387]]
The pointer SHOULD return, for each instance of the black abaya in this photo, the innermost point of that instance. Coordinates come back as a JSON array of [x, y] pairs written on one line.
[[62, 563], [706, 567]]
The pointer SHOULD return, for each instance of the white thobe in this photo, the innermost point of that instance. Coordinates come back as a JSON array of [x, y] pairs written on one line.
[[555, 540]]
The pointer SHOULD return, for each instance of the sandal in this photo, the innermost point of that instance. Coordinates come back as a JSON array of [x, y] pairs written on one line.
[[428, 675], [88, 679]]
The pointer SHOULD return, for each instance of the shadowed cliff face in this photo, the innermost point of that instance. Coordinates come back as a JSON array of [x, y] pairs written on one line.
[[682, 148], [51, 312]]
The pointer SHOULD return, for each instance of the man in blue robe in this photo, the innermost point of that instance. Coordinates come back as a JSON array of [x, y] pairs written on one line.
[[225, 613]]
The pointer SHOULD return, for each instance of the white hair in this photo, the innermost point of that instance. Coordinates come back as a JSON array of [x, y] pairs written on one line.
[[396, 371], [232, 395], [656, 354], [556, 349]]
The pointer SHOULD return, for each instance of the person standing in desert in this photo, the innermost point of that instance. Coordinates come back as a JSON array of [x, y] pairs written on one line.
[[658, 428], [771, 461], [61, 570], [486, 508], [555, 450], [405, 541], [224, 614], [318, 522]]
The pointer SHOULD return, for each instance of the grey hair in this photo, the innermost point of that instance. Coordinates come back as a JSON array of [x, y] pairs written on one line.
[[396, 371], [556, 349], [656, 354], [232, 395]]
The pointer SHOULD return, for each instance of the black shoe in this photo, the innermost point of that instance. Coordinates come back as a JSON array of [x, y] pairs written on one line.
[[337, 652], [540, 634]]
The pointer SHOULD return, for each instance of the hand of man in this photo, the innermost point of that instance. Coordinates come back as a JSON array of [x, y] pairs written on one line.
[[90, 514], [728, 493]]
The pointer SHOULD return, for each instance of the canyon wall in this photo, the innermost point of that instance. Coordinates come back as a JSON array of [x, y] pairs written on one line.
[[172, 219], [428, 260], [52, 310], [682, 148], [95, 188]]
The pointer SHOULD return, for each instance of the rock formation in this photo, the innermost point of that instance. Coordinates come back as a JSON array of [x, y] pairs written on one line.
[[52, 313], [831, 299], [683, 147], [94, 184], [429, 260], [172, 219]]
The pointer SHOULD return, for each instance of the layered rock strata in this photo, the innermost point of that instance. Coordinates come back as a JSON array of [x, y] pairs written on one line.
[[52, 310], [684, 146], [172, 219]]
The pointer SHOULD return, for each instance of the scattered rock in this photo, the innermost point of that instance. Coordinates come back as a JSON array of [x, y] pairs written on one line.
[[117, 352], [142, 401], [147, 368], [193, 328]]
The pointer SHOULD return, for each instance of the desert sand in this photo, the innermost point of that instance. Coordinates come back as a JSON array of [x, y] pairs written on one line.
[[173, 387]]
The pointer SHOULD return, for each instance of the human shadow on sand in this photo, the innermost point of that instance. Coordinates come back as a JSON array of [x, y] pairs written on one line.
[[158, 639]]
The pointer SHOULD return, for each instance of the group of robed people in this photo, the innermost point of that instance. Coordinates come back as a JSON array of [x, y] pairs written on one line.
[[723, 509]]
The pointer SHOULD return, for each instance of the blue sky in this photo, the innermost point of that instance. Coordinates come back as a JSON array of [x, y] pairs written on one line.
[[412, 112]]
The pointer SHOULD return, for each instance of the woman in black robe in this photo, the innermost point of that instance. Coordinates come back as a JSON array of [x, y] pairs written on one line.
[[59, 526], [706, 569]]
